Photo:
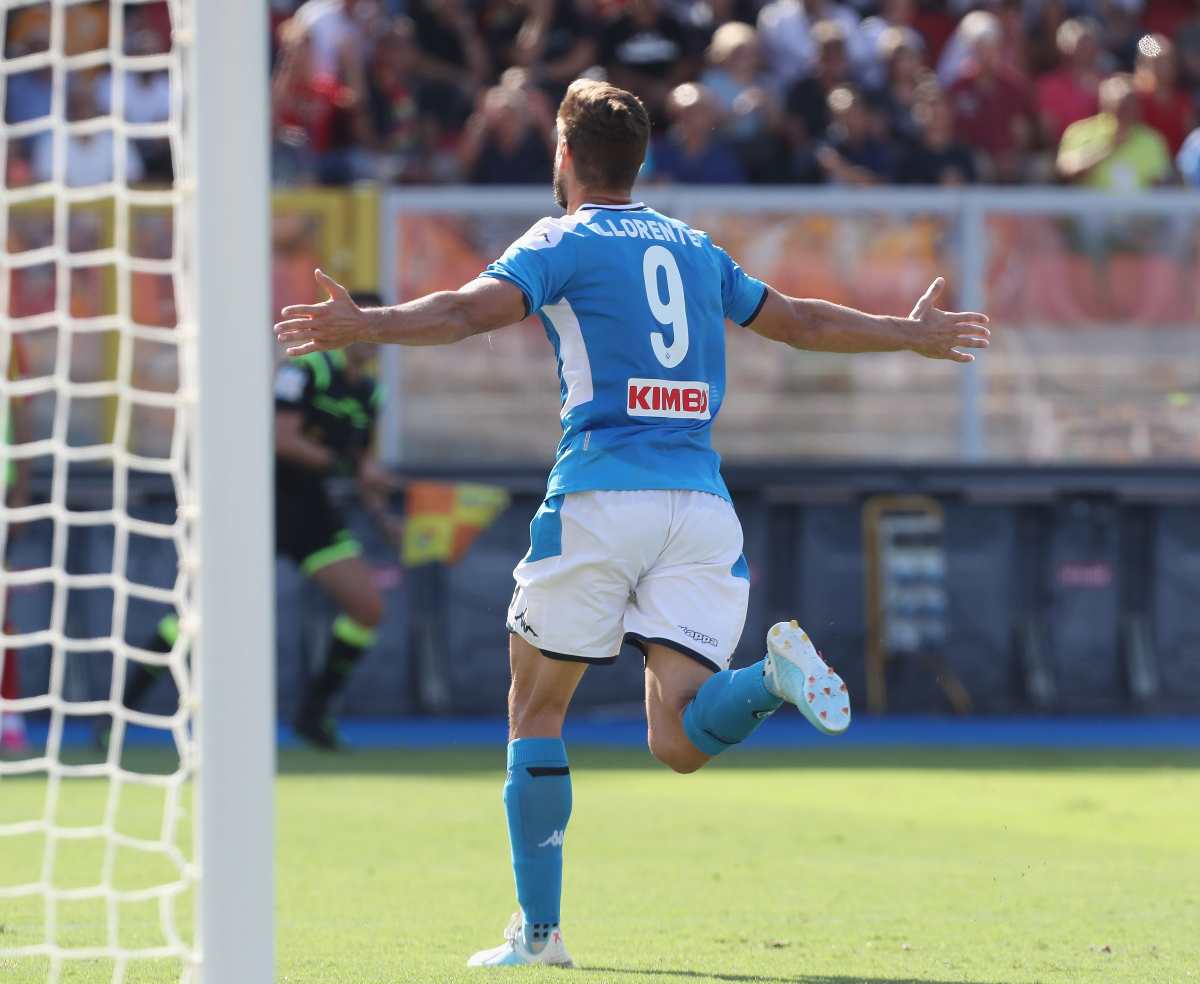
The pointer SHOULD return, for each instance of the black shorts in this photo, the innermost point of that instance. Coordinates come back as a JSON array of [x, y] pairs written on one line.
[[310, 531]]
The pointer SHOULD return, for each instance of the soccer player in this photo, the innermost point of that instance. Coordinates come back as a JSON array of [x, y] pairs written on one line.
[[637, 540], [325, 408]]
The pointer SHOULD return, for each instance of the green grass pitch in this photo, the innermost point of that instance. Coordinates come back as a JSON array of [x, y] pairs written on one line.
[[828, 866]]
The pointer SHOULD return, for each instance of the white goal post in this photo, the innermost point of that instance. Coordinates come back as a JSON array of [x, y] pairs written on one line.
[[216, 452], [236, 665]]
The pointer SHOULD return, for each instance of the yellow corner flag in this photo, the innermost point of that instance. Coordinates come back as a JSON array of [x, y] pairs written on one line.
[[444, 518]]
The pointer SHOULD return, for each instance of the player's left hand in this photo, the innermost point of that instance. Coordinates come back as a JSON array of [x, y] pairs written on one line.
[[940, 334], [332, 324]]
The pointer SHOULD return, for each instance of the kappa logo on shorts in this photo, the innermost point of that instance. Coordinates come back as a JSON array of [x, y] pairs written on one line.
[[521, 621], [699, 636], [666, 398]]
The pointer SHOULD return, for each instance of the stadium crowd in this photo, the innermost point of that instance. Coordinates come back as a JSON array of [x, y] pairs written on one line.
[[1100, 92]]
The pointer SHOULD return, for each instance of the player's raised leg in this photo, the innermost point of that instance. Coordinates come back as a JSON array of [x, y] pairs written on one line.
[[347, 580], [537, 801], [694, 713], [690, 609]]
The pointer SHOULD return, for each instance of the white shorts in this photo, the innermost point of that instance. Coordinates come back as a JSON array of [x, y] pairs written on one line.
[[650, 566]]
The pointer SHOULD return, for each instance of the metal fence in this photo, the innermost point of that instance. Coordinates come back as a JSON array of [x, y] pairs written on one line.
[[1095, 299]]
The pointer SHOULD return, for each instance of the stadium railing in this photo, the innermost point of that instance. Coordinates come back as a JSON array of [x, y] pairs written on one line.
[[1094, 295]]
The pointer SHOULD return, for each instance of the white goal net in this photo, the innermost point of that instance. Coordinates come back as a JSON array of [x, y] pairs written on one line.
[[100, 403]]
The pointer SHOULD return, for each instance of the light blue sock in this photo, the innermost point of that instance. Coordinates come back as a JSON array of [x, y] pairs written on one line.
[[537, 799], [728, 708]]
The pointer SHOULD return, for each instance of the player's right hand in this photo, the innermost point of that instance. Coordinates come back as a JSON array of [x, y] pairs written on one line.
[[938, 334], [332, 324]]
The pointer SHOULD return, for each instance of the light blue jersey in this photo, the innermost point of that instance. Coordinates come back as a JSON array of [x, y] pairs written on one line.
[[634, 304]]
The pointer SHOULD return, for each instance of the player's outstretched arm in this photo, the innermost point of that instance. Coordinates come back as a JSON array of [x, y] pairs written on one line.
[[821, 326], [435, 319]]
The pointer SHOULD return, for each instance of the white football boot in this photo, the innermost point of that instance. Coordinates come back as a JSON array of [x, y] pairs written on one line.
[[513, 953], [796, 672]]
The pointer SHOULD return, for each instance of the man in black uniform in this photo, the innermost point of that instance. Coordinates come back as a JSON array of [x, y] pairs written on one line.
[[325, 409]]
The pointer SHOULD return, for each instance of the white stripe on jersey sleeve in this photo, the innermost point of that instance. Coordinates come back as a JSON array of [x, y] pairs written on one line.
[[576, 367]]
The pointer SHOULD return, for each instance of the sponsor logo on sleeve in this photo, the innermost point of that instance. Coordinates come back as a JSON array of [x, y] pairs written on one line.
[[667, 398]]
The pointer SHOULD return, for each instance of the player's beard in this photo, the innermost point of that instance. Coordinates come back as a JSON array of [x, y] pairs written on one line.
[[560, 187]]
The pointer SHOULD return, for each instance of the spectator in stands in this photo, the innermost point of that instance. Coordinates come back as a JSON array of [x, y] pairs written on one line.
[[451, 47], [499, 22], [904, 73], [952, 61], [304, 104], [649, 50], [85, 28], [749, 101], [895, 17], [1114, 150], [147, 97], [692, 151], [338, 46], [1163, 104], [853, 154], [279, 12], [808, 100], [350, 91], [991, 102], [147, 100], [1006, 17], [91, 156], [509, 139], [401, 106], [1071, 92], [1120, 21], [27, 29], [787, 29], [935, 158], [337, 32], [1013, 43], [1043, 51], [147, 28], [555, 43]]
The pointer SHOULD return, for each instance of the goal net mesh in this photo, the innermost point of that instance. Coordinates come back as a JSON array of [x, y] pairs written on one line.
[[97, 369]]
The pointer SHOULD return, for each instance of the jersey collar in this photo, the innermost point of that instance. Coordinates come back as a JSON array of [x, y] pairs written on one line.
[[633, 206]]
